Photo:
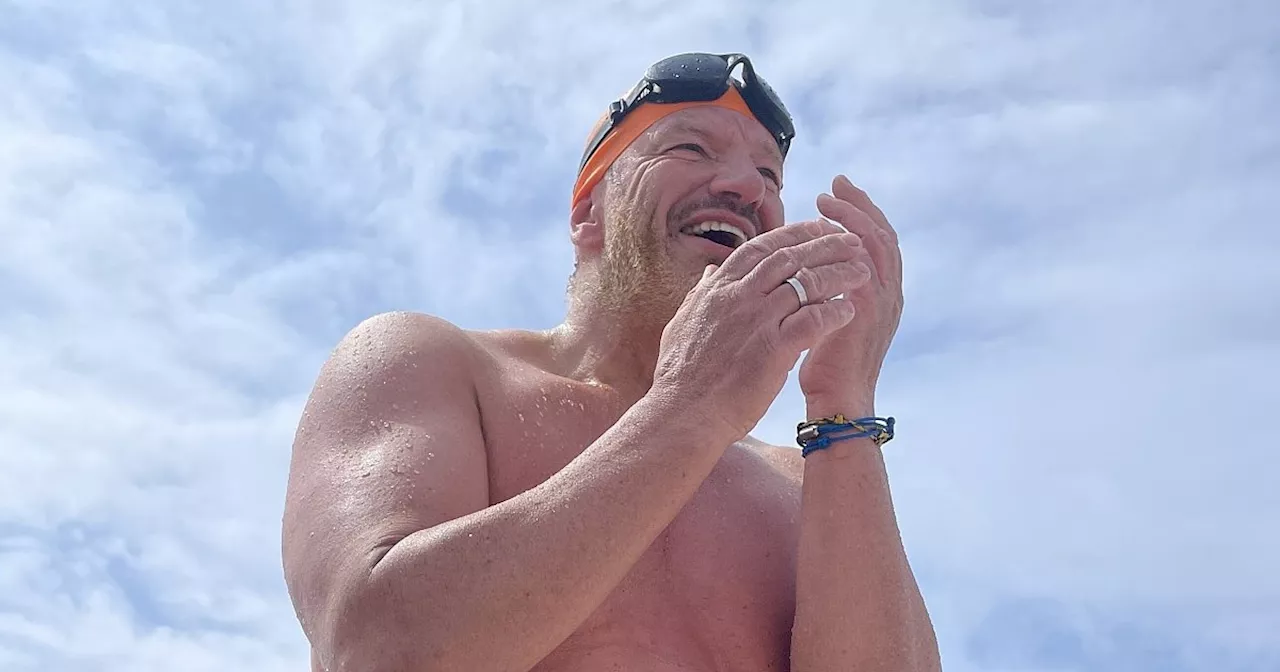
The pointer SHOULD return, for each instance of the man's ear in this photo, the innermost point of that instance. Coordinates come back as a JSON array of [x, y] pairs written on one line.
[[586, 225]]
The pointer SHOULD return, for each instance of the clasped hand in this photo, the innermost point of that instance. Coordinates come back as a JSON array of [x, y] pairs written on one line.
[[742, 327]]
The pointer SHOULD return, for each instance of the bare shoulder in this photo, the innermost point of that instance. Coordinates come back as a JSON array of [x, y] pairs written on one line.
[[404, 337], [395, 379], [399, 369], [401, 350], [389, 443], [783, 459]]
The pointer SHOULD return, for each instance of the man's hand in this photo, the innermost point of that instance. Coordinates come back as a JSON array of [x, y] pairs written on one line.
[[840, 373], [727, 351]]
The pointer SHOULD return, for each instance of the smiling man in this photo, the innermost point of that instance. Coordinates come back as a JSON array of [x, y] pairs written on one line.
[[588, 498]]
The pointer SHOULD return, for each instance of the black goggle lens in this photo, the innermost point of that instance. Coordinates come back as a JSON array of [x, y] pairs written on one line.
[[768, 107], [704, 77], [688, 77]]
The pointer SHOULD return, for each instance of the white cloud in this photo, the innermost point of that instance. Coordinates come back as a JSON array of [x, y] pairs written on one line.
[[197, 201]]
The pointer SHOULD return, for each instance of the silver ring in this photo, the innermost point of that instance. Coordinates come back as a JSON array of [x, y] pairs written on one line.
[[799, 287]]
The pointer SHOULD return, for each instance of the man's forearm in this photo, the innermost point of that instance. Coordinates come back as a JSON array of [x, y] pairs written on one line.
[[499, 589], [857, 603]]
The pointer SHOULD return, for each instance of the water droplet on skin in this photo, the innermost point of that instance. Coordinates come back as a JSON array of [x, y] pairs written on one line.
[[312, 534], [386, 425], [430, 455], [521, 416], [416, 472], [365, 474]]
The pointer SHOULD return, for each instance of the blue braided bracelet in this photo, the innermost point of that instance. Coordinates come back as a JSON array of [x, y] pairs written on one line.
[[817, 434]]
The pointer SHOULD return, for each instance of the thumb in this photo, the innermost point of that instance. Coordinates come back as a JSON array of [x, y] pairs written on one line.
[[706, 272]]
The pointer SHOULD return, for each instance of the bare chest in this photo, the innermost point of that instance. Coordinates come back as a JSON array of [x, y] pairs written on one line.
[[715, 591]]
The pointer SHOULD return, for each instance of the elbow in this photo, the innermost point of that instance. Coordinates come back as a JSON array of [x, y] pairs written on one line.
[[368, 634], [351, 648], [925, 654], [377, 646]]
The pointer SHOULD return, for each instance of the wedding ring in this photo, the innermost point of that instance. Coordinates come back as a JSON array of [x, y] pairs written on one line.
[[799, 287]]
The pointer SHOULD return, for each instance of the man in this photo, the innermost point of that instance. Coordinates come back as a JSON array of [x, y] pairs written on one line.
[[588, 498]]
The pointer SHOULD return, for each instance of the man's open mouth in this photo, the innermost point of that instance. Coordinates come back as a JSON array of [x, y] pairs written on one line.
[[720, 233]]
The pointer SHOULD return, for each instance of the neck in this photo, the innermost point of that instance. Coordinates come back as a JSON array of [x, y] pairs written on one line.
[[611, 343]]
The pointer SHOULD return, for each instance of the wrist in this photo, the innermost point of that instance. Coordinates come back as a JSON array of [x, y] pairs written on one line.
[[825, 406], [689, 417]]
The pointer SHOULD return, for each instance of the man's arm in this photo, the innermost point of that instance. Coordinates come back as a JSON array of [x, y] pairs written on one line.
[[857, 603], [393, 556]]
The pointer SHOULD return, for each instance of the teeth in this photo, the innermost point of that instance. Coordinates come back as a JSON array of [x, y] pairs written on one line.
[[704, 227]]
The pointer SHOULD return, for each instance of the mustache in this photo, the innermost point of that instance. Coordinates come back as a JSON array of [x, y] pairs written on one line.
[[724, 202]]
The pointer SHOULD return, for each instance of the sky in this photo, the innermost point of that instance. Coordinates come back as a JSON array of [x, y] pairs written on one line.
[[197, 200]]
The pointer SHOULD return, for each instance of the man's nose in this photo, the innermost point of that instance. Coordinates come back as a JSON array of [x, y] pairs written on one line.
[[741, 177]]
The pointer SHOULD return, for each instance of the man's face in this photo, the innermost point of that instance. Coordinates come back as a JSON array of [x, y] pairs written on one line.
[[698, 169]]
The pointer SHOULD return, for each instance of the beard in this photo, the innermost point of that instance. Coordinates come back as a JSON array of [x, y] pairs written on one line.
[[639, 279]]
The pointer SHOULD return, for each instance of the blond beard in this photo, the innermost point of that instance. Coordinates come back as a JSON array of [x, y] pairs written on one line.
[[638, 281]]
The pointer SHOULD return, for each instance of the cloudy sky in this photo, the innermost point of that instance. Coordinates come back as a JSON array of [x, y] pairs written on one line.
[[197, 200]]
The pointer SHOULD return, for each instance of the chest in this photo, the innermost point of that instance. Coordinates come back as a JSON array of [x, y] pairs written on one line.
[[716, 588]]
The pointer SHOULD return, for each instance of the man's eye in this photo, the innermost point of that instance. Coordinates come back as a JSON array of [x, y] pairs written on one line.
[[691, 146], [771, 175]]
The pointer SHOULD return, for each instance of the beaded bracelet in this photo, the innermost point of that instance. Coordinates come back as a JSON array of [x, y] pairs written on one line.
[[817, 434]]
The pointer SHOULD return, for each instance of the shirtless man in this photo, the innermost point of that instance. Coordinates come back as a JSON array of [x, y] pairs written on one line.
[[588, 498]]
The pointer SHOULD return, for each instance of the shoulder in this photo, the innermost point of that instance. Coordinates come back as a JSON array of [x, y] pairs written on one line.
[[784, 460], [420, 347], [397, 353], [392, 340], [400, 329]]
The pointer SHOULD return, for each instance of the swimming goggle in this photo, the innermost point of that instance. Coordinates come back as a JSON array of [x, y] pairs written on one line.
[[686, 79]]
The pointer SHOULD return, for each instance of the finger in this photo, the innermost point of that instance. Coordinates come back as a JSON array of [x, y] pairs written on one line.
[[844, 189], [803, 329], [873, 238], [745, 258], [788, 261], [820, 283]]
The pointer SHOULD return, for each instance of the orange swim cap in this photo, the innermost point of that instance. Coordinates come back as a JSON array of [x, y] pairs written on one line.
[[633, 126]]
